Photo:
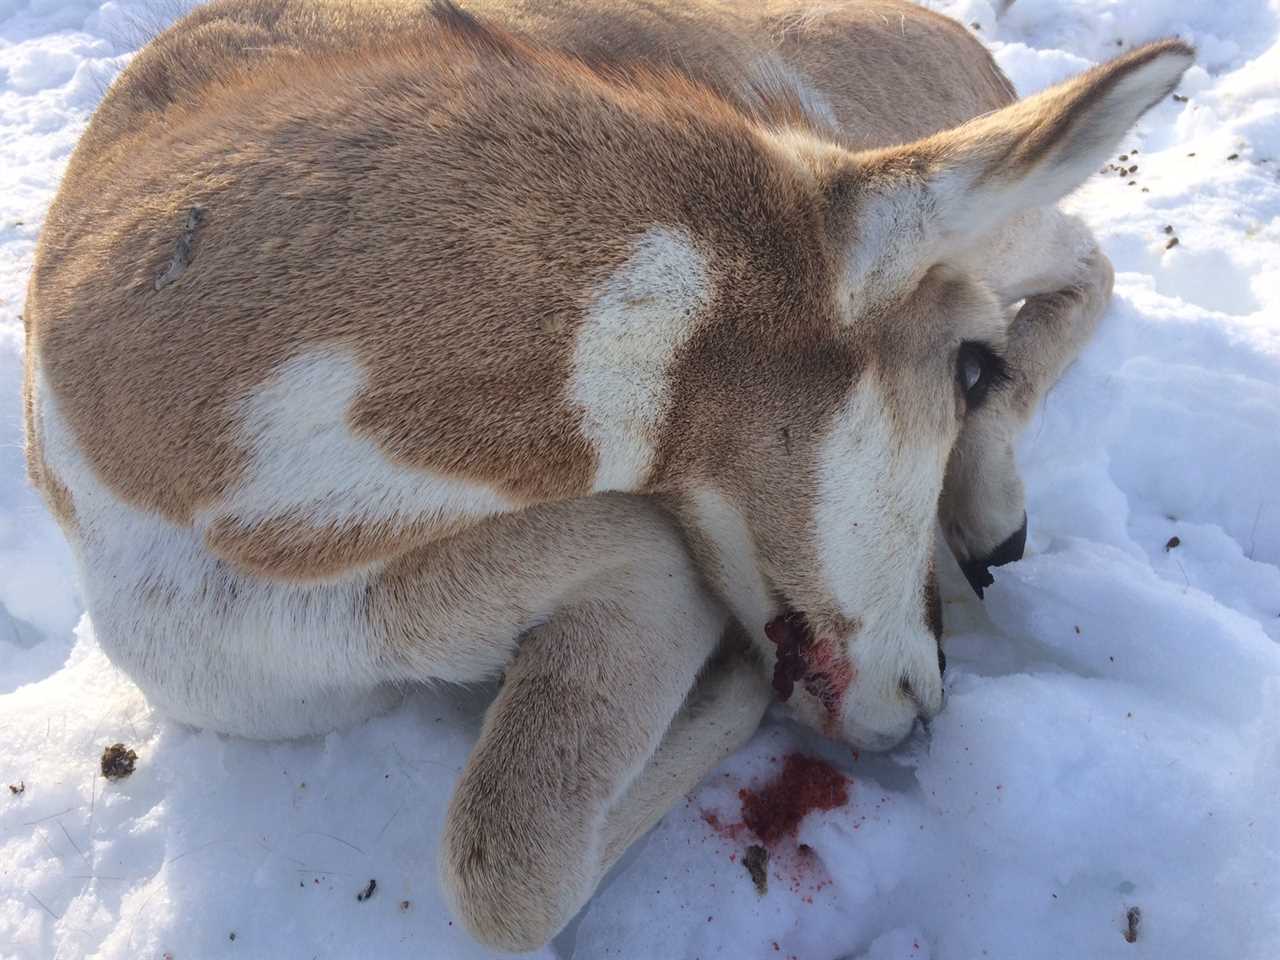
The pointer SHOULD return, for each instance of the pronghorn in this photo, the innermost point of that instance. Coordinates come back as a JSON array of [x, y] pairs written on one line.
[[629, 352]]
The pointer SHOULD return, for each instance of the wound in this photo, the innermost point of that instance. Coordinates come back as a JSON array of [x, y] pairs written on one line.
[[790, 634], [824, 672], [184, 251]]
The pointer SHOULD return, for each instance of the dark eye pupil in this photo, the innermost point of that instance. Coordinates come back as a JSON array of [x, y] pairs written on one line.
[[978, 371]]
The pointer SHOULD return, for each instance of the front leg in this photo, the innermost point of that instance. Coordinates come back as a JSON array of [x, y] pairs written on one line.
[[582, 710], [722, 712], [983, 504]]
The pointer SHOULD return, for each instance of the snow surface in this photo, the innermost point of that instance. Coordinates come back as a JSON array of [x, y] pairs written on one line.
[[1112, 734]]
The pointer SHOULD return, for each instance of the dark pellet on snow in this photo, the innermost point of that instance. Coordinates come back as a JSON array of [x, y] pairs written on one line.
[[117, 761]]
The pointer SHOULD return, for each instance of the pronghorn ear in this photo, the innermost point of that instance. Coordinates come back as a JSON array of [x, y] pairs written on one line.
[[964, 181]]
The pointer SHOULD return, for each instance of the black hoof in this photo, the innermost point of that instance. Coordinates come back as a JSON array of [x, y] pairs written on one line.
[[978, 572]]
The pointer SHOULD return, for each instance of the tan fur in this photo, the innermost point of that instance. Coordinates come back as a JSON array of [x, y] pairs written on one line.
[[431, 205], [227, 75]]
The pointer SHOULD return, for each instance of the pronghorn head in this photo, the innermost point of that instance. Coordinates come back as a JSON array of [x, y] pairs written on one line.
[[815, 411]]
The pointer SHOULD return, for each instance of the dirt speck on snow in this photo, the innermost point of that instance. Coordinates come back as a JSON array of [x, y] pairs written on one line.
[[756, 860], [1132, 919], [118, 761]]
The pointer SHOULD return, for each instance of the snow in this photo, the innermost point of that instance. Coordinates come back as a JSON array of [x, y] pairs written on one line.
[[1112, 731]]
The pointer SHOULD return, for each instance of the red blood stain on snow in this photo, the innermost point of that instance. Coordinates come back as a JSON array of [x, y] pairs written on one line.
[[772, 813], [804, 785], [805, 873], [730, 831]]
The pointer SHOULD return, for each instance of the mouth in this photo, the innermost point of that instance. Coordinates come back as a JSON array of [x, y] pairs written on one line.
[[808, 660]]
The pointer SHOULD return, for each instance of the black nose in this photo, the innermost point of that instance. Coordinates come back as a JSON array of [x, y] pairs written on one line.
[[978, 572]]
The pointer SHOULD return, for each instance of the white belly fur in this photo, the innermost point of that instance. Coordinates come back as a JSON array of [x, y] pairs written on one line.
[[207, 644]]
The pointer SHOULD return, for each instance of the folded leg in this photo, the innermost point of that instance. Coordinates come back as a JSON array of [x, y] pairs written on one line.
[[550, 794], [983, 504], [721, 714]]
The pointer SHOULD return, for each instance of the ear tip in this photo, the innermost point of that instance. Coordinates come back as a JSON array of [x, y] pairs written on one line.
[[1174, 45], [1177, 52], [1152, 70], [1171, 54]]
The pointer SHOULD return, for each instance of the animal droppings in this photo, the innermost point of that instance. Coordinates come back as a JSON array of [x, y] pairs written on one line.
[[756, 860], [118, 761], [1132, 919]]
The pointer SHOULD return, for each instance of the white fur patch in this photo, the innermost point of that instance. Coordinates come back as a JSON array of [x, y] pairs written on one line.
[[208, 645], [877, 493], [638, 320], [877, 501], [306, 462], [736, 574]]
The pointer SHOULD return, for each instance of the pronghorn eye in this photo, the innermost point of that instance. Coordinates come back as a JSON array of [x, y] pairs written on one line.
[[978, 369], [970, 372]]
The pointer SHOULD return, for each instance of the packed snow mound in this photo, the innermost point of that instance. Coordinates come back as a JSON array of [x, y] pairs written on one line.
[[1108, 764]]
